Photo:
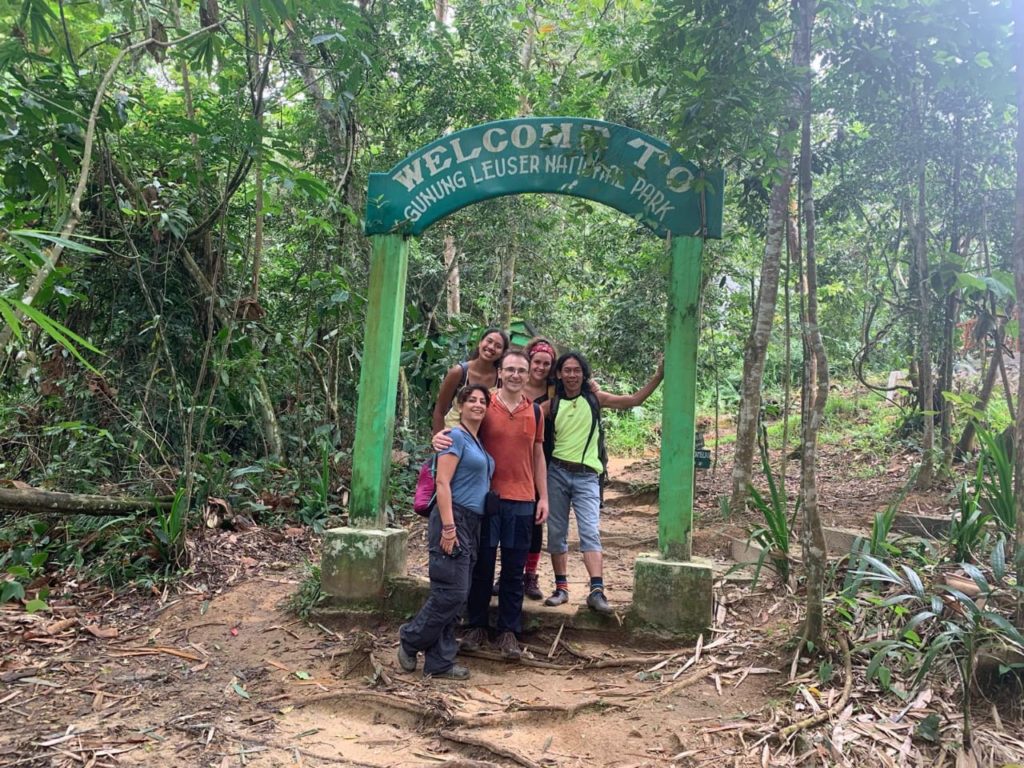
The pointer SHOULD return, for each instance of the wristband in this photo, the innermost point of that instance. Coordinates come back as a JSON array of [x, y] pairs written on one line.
[[448, 527]]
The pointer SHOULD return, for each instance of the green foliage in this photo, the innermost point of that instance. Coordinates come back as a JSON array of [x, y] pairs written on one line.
[[23, 563], [169, 530], [305, 600], [774, 535], [969, 526], [939, 628], [317, 505], [636, 431], [995, 481]]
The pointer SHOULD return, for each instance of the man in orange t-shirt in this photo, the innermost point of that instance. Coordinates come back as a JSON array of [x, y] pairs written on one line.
[[513, 434]]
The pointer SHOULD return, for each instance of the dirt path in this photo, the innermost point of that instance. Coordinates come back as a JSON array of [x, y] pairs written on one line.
[[221, 674]]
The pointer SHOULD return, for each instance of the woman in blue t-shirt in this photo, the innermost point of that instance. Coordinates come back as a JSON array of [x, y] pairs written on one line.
[[463, 477]]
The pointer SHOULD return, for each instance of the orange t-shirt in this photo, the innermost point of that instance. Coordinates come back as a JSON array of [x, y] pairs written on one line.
[[509, 437]]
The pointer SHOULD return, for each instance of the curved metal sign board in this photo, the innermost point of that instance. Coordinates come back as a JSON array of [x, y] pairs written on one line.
[[625, 169]]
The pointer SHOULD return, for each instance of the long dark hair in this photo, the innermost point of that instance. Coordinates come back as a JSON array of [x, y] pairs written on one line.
[[560, 363], [505, 344]]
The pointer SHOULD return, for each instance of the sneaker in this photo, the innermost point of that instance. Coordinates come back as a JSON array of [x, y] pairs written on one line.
[[474, 639], [454, 672], [509, 646], [596, 601], [558, 597], [531, 588]]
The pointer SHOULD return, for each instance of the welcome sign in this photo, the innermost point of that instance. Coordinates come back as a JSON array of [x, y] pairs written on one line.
[[608, 163]]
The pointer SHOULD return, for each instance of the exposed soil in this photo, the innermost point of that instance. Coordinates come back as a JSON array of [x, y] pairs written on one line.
[[219, 673]]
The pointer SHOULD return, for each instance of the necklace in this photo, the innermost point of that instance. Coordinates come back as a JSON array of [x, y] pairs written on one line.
[[510, 407]]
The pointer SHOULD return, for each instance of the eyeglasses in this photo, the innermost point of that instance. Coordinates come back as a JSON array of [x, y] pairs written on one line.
[[516, 371]]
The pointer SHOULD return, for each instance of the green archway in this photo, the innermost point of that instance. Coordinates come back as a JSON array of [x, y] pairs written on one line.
[[623, 168]]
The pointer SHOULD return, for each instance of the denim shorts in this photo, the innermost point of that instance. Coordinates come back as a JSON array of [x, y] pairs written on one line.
[[583, 492]]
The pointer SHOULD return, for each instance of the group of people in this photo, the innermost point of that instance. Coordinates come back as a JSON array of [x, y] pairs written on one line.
[[517, 434]]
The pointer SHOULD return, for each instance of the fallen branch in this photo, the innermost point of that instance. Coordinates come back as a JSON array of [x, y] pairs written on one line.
[[34, 500], [476, 741], [679, 685], [155, 651], [810, 722]]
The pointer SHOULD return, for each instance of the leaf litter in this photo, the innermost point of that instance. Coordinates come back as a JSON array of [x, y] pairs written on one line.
[[97, 682]]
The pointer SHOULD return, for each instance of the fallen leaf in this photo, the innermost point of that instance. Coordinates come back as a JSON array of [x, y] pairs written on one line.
[[240, 690], [303, 675]]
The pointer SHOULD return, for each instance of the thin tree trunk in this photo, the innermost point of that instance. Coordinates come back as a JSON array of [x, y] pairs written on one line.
[[950, 311], [764, 315], [792, 249], [451, 256], [257, 238], [966, 442], [815, 360], [925, 383], [1018, 271], [508, 277]]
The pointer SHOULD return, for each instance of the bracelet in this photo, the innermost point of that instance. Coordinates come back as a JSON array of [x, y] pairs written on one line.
[[448, 527]]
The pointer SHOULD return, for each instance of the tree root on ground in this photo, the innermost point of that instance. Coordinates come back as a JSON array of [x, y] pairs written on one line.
[[525, 711], [418, 708], [496, 749]]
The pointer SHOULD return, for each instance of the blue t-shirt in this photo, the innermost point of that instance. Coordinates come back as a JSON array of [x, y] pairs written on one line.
[[472, 478]]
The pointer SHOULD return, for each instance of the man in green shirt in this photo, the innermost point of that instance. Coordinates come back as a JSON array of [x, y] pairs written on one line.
[[574, 468]]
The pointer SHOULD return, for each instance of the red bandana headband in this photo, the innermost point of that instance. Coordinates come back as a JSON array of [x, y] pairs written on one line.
[[542, 346]]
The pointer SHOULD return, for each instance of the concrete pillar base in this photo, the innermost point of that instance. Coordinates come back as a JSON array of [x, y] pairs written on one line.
[[674, 596], [357, 563]]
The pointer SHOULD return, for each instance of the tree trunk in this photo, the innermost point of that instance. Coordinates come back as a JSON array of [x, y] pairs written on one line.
[[761, 329], [926, 386], [815, 360], [36, 501], [453, 287], [792, 249], [951, 309], [1018, 271], [966, 442], [508, 278]]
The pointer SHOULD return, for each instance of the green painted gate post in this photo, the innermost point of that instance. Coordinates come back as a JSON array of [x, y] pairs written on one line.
[[378, 380], [675, 496]]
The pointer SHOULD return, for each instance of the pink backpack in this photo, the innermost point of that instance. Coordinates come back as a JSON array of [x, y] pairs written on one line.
[[426, 493]]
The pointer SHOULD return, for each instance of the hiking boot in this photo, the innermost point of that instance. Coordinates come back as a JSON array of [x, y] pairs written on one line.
[[454, 672], [406, 661], [596, 601], [558, 597], [509, 646], [474, 639], [531, 588]]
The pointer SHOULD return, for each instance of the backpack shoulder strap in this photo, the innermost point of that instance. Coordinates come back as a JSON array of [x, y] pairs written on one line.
[[595, 420], [464, 380]]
